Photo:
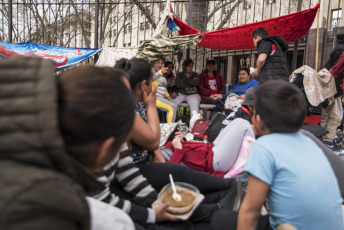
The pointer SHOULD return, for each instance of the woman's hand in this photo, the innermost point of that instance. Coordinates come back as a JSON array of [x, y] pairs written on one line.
[[150, 99], [216, 96], [177, 142], [242, 96], [164, 70], [162, 215]]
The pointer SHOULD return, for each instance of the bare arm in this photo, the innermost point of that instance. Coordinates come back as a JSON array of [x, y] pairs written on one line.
[[254, 199], [147, 134], [260, 63]]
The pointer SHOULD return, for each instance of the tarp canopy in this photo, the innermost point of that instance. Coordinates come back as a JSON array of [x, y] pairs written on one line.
[[110, 55], [159, 46], [291, 27], [151, 49], [63, 56]]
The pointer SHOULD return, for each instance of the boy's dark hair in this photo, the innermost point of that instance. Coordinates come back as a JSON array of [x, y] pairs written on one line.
[[167, 63], [138, 69], [211, 61], [94, 104], [281, 106], [186, 63], [261, 32]]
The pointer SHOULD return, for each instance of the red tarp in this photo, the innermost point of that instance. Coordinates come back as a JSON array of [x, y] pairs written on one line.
[[291, 27]]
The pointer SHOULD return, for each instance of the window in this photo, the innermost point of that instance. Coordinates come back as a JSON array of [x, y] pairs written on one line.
[[147, 9], [113, 20], [335, 18], [144, 25], [128, 13], [247, 4], [271, 1], [115, 32], [227, 9], [126, 44], [127, 28]]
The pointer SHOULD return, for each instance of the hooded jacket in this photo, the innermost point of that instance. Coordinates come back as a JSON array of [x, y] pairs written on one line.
[[42, 187], [204, 89], [276, 65]]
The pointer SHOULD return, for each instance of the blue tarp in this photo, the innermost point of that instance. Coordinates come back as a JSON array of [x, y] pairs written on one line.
[[63, 56]]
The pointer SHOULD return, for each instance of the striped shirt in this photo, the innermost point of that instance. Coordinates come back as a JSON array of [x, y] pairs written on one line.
[[122, 173]]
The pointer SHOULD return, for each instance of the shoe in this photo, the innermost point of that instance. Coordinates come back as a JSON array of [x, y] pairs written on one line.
[[234, 197], [332, 146]]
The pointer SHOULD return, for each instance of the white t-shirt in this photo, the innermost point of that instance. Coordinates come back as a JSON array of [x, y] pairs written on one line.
[[107, 217]]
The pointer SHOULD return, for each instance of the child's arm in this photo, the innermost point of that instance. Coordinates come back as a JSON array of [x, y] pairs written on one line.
[[254, 199]]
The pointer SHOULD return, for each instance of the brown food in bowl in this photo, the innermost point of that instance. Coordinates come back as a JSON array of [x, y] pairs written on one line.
[[188, 198]]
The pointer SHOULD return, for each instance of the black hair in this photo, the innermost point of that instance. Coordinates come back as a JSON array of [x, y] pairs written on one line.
[[123, 64], [94, 105], [211, 61], [247, 70], [340, 38], [139, 70], [281, 106], [261, 32], [186, 63], [167, 63]]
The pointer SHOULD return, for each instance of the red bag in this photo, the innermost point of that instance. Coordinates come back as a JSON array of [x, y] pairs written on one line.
[[199, 129]]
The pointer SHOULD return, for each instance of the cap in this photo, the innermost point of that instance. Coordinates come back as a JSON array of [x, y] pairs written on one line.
[[249, 96]]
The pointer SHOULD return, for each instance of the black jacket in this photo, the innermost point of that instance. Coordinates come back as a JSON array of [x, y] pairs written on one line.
[[41, 186], [334, 57], [276, 65], [182, 81]]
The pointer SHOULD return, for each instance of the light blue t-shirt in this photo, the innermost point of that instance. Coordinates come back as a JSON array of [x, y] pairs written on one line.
[[303, 187]]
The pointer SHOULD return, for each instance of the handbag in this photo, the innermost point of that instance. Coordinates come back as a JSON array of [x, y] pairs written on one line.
[[232, 102], [242, 159], [190, 90], [199, 129]]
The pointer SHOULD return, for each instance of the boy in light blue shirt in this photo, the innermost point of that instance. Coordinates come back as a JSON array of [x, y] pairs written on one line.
[[287, 170]]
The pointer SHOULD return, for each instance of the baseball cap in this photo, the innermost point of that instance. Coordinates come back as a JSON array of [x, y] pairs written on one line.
[[249, 96]]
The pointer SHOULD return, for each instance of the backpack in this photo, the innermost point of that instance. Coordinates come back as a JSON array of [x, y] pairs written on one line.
[[199, 129], [214, 126]]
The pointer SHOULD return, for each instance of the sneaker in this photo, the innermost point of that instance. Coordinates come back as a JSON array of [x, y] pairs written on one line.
[[332, 146], [234, 197]]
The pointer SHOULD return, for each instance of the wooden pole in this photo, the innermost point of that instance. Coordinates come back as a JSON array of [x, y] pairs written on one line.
[[317, 46]]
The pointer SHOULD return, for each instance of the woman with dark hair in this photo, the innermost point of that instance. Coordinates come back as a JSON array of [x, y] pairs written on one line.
[[146, 130], [44, 179], [245, 82], [211, 83], [187, 83]]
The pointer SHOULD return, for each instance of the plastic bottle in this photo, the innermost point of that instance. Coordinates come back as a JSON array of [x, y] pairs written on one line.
[[205, 140]]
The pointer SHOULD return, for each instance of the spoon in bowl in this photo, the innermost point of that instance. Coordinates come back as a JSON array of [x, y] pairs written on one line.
[[175, 195]]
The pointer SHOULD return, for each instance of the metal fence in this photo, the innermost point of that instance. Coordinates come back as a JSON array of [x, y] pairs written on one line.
[[126, 23]]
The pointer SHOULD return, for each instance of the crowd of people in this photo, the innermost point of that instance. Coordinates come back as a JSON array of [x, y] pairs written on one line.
[[82, 150]]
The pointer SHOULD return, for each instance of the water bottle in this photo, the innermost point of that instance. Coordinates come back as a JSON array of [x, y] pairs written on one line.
[[205, 140]]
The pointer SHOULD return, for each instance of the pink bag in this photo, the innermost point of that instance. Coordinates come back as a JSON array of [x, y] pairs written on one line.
[[242, 158]]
